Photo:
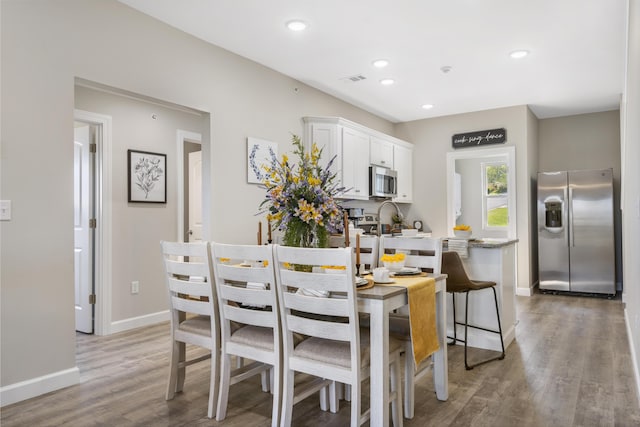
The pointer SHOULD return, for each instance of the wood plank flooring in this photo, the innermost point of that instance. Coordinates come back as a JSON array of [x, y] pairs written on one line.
[[569, 366]]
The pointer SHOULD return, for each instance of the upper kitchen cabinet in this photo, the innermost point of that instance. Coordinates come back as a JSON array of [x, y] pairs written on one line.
[[355, 164], [403, 164], [356, 147], [381, 152]]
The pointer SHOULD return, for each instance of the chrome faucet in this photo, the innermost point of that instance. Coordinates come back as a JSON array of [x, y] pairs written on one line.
[[398, 213]]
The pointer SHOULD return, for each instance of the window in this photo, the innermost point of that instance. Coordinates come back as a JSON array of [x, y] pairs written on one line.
[[495, 195]]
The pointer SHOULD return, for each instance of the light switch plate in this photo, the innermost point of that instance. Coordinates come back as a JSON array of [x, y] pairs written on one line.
[[5, 210]]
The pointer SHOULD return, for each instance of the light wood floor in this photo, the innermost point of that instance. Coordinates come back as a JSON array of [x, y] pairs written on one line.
[[569, 366]]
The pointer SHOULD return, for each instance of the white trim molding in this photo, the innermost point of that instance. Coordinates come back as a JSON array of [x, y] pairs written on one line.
[[139, 321], [103, 197], [33, 387]]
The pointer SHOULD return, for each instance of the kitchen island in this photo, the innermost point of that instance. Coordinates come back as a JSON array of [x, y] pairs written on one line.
[[494, 260]]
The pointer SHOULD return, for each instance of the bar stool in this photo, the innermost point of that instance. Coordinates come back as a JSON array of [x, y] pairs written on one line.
[[459, 282]]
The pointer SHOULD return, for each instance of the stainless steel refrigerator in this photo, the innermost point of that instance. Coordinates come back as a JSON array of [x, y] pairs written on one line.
[[575, 231]]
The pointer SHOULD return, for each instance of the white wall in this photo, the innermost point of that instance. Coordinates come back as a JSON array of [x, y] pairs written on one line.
[[45, 46], [631, 185], [432, 140]]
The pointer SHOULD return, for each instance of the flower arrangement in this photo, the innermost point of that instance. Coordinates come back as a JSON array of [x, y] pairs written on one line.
[[300, 199]]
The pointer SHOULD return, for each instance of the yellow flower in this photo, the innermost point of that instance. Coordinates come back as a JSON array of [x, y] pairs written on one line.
[[393, 257], [285, 159], [462, 227]]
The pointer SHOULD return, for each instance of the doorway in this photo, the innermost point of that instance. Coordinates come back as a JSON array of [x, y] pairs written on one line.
[[84, 147], [190, 220], [92, 256]]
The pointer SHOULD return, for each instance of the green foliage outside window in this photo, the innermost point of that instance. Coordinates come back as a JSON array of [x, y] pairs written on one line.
[[496, 179]]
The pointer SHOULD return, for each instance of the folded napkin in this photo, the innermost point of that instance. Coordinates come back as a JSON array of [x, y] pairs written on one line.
[[259, 286], [461, 246]]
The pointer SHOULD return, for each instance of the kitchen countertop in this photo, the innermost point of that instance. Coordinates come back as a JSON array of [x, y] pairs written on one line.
[[485, 242]]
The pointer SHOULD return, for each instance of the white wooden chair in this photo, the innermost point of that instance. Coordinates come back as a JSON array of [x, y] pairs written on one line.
[[249, 318], [334, 350], [369, 246], [194, 312], [424, 253]]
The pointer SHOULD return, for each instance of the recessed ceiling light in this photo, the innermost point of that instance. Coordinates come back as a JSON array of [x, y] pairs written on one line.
[[297, 25], [380, 63], [427, 106], [517, 54], [387, 82]]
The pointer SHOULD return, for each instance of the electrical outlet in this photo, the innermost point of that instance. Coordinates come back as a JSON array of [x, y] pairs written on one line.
[[135, 287], [5, 210]]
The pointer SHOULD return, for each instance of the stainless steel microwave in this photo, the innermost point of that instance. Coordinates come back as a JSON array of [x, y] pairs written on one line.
[[382, 182]]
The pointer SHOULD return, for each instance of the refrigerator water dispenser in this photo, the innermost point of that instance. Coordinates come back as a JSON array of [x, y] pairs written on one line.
[[553, 215]]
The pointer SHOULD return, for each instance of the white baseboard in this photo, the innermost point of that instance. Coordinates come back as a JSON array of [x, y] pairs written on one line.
[[137, 322], [524, 292], [634, 358], [24, 390]]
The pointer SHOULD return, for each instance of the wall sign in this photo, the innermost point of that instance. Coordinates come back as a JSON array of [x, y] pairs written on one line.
[[481, 137]]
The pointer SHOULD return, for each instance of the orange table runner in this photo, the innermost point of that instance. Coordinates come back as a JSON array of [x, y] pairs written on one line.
[[421, 292]]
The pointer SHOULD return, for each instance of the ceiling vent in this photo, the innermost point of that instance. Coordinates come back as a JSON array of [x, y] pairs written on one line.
[[354, 78]]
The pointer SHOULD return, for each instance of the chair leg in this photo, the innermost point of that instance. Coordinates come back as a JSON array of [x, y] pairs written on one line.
[[287, 397], [213, 384], [172, 383], [499, 331], [454, 340], [356, 403], [495, 298], [225, 383], [276, 389]]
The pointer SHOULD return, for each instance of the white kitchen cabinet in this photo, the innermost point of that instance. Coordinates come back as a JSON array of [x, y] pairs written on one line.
[[381, 152], [355, 164], [403, 164], [352, 143]]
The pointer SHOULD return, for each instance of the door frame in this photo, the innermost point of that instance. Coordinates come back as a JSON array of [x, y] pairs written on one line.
[[103, 214], [181, 137]]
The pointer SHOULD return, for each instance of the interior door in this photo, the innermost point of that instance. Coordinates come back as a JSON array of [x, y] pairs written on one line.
[[83, 233], [195, 196]]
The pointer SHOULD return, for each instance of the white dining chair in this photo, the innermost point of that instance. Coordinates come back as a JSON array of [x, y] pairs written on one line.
[[194, 313], [249, 318], [369, 246], [335, 351], [426, 254]]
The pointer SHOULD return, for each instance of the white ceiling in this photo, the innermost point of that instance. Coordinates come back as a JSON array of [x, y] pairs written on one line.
[[576, 64]]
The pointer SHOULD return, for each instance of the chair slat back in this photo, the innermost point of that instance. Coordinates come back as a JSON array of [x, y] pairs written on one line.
[[246, 290], [334, 317], [369, 247], [425, 253], [188, 276]]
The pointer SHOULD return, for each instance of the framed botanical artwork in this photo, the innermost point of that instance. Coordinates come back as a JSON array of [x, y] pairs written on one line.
[[259, 152], [147, 177]]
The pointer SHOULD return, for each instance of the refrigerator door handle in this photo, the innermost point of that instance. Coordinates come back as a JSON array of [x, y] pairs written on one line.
[[571, 235]]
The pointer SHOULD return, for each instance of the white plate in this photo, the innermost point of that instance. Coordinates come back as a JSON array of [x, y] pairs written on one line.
[[383, 282]]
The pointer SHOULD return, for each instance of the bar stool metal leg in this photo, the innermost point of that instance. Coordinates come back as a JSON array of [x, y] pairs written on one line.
[[499, 331]]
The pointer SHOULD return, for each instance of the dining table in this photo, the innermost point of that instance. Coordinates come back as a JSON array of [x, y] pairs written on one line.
[[378, 301]]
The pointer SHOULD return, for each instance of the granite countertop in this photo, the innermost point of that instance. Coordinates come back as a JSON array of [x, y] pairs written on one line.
[[485, 242]]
